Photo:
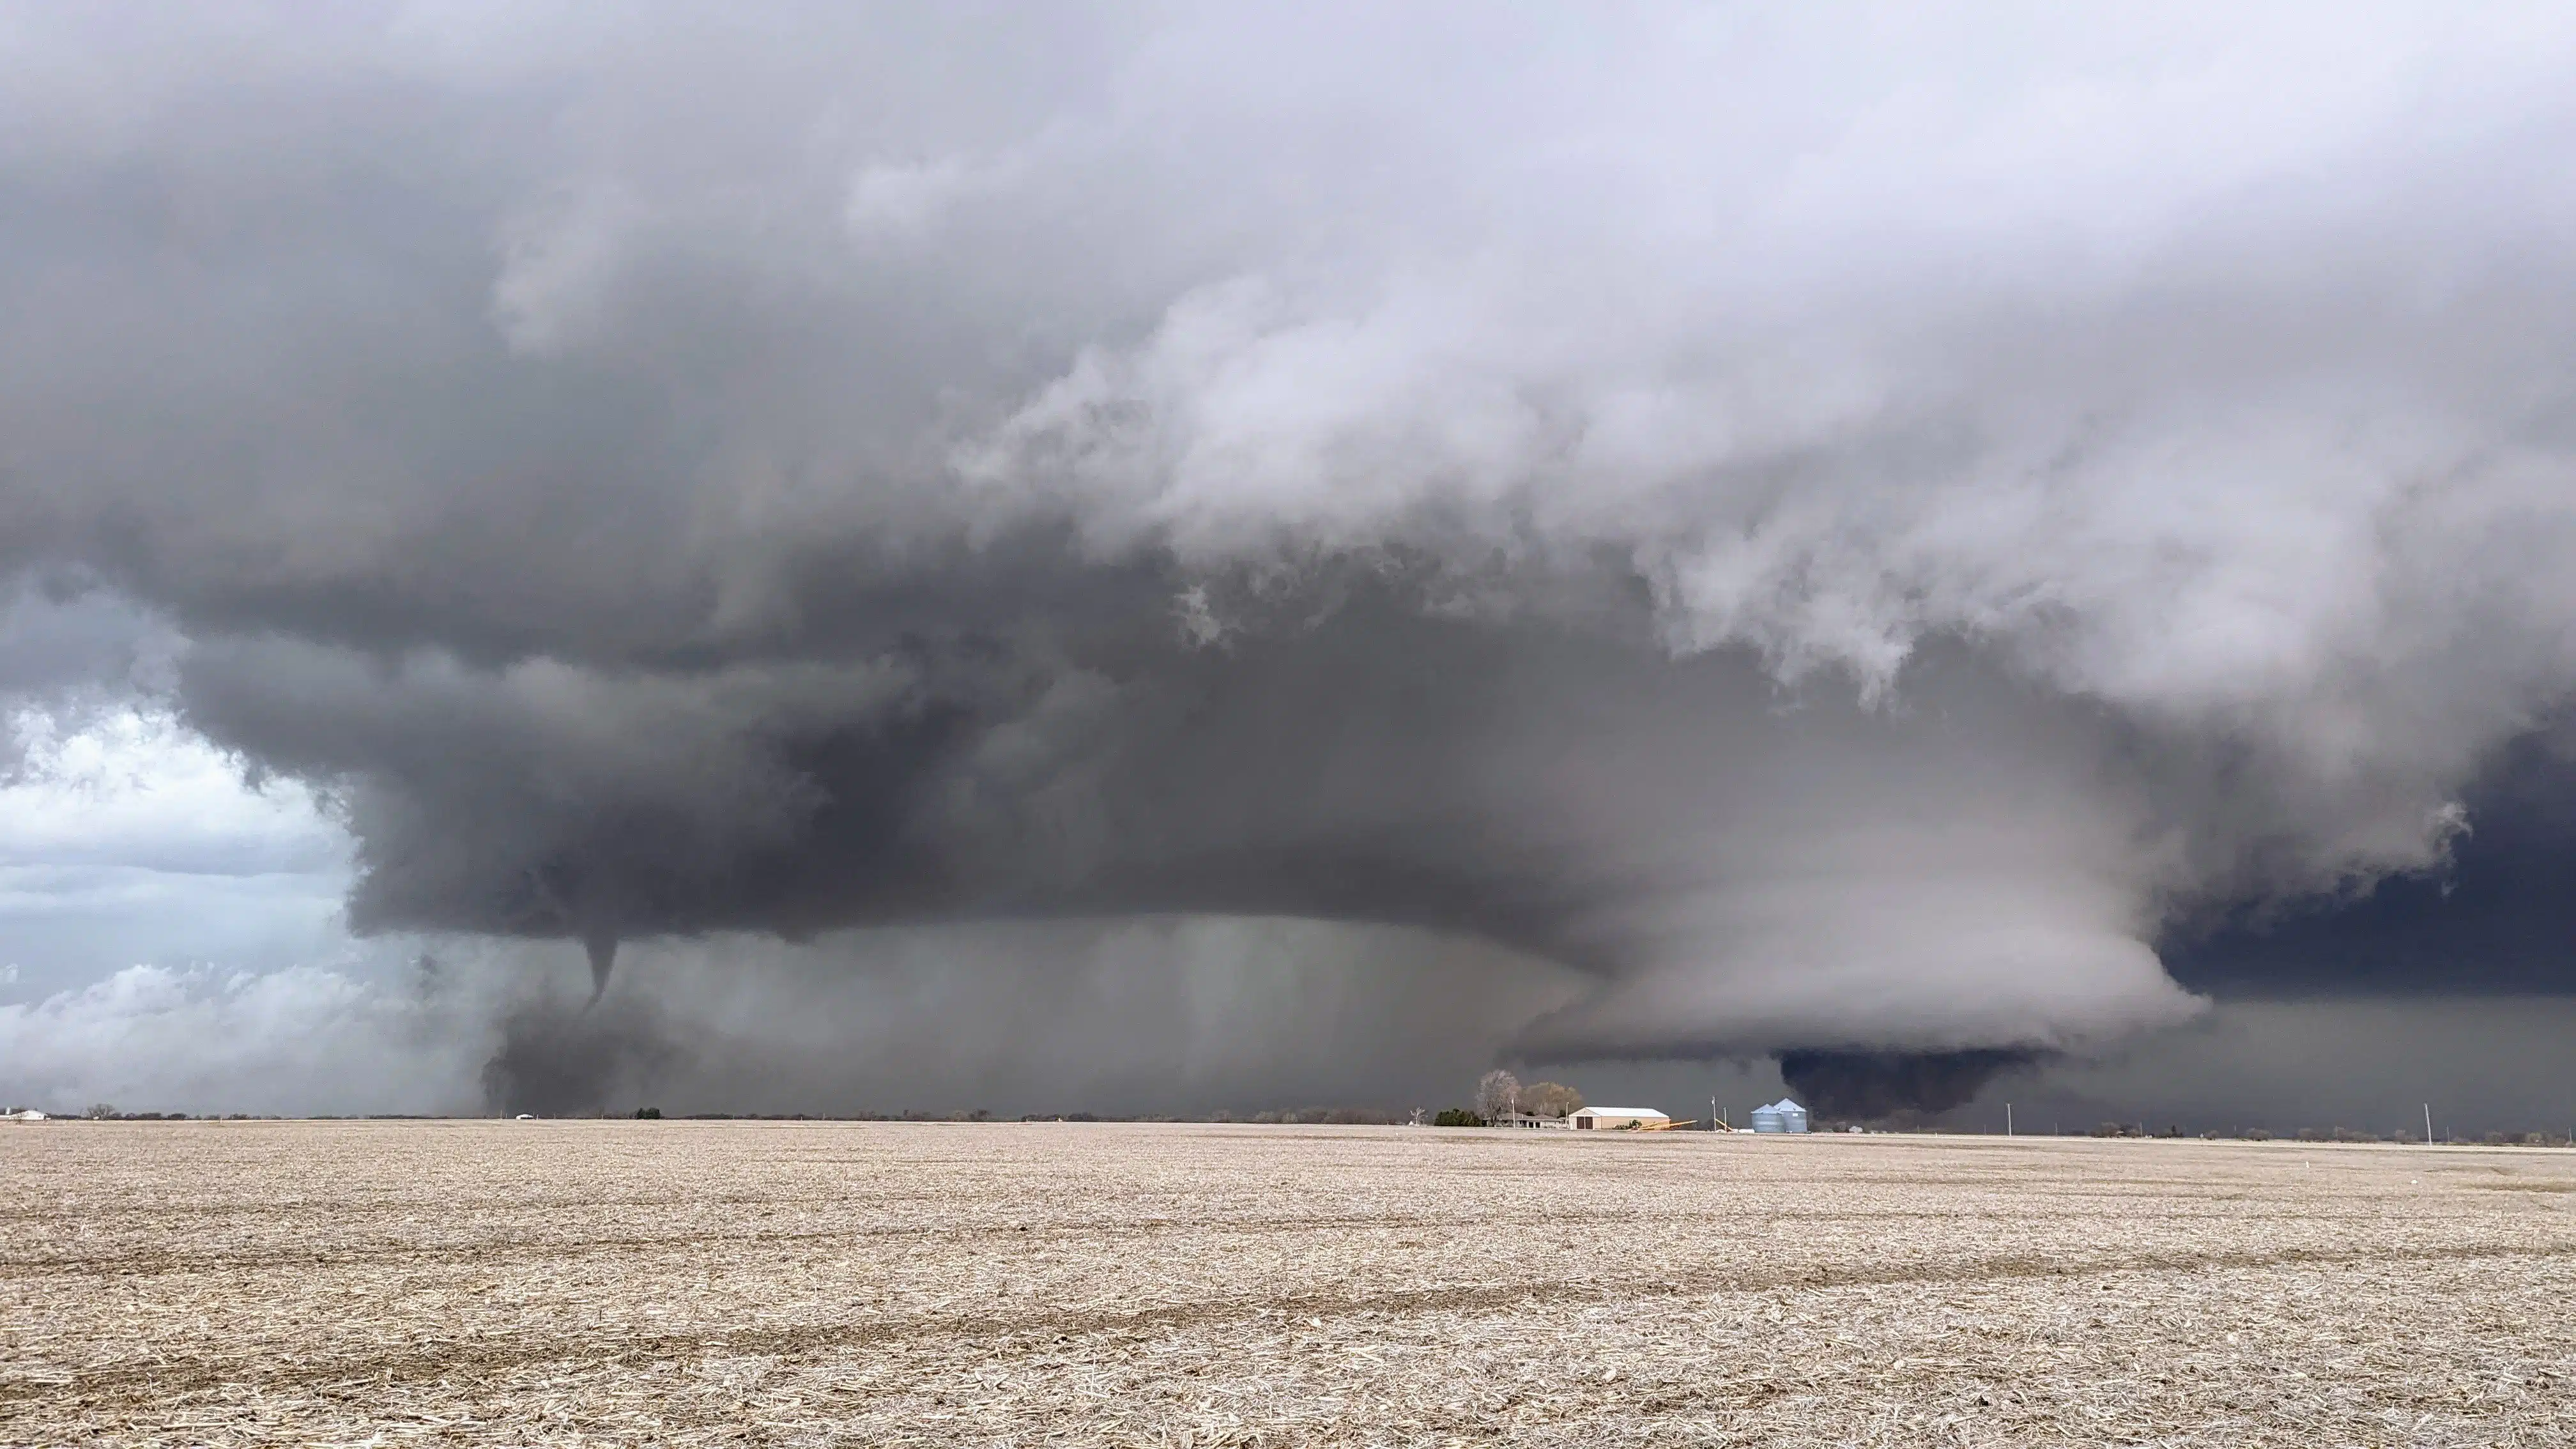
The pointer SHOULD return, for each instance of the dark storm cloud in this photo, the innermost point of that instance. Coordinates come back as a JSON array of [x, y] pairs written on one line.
[[1867, 1085], [1848, 536], [2498, 919], [67, 653]]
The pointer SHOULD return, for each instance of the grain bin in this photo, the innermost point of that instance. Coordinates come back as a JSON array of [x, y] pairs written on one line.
[[1781, 1116]]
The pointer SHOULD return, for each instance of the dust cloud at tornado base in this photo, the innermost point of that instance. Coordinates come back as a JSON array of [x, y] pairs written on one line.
[[1827, 562]]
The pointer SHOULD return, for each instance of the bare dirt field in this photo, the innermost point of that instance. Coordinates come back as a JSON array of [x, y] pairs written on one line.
[[678, 1282]]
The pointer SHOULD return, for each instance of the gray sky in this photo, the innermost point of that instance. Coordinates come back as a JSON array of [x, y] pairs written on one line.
[[1702, 531]]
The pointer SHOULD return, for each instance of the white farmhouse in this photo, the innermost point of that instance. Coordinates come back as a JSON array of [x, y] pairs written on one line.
[[1599, 1117]]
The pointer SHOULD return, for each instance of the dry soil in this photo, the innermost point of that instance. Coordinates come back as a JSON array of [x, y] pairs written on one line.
[[1078, 1284]]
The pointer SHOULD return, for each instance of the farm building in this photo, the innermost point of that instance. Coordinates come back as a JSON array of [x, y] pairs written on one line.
[[1781, 1116], [29, 1115], [1597, 1117]]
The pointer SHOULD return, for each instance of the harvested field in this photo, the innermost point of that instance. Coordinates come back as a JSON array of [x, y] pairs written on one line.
[[683, 1283]]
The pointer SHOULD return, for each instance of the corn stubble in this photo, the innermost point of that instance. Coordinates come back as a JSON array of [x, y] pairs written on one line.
[[1077, 1284]]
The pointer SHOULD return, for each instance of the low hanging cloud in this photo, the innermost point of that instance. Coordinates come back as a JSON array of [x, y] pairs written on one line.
[[1166, 1017], [1844, 537], [301, 1040], [1141, 1016]]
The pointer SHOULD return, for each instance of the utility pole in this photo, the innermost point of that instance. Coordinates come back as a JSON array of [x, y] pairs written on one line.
[[2428, 1124]]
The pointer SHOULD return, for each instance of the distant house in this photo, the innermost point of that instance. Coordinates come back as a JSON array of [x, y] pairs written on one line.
[[30, 1115], [1600, 1117]]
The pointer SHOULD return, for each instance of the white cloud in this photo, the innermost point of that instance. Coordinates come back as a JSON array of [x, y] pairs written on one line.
[[304, 1039], [905, 200], [134, 789], [129, 838]]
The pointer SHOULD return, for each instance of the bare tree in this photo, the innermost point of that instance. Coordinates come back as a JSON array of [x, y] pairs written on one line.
[[1498, 1095], [1551, 1099]]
